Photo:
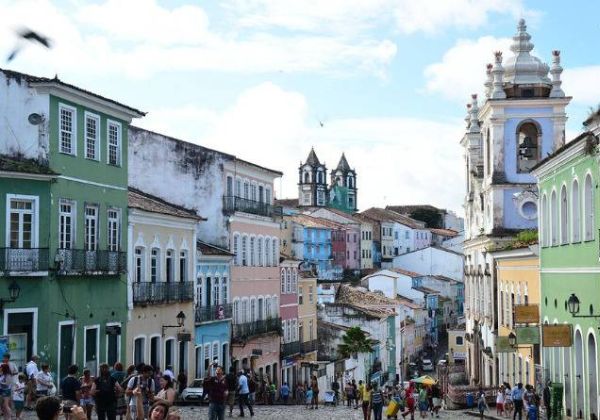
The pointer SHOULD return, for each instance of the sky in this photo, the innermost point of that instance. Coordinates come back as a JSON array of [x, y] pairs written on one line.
[[384, 81]]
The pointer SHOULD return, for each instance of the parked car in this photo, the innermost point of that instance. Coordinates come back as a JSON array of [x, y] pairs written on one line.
[[193, 393], [427, 365]]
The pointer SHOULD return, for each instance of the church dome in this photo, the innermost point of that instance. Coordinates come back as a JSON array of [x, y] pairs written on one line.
[[525, 74]]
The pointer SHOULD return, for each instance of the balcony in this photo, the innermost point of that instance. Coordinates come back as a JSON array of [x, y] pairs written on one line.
[[214, 313], [309, 346], [242, 332], [23, 261], [231, 204], [79, 261], [290, 349], [146, 293]]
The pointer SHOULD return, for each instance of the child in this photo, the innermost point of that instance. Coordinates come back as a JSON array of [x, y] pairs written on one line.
[[19, 394], [309, 397], [500, 401]]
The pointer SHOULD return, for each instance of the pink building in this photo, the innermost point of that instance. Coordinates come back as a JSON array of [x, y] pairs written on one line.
[[290, 340], [254, 240]]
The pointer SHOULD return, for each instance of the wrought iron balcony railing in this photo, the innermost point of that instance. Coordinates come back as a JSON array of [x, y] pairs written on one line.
[[289, 349], [146, 293], [214, 313], [79, 261], [309, 346], [23, 260], [248, 330], [232, 204]]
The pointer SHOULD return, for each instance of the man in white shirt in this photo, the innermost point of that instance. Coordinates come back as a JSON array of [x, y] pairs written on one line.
[[31, 369], [44, 382]]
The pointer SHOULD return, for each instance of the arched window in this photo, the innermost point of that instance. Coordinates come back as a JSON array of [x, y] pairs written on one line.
[[236, 311], [564, 216], [350, 181], [575, 213], [253, 316], [288, 280], [544, 233], [528, 146], [244, 312], [267, 252], [554, 218], [260, 252], [588, 208], [252, 251], [275, 252], [283, 280], [236, 249], [244, 250], [306, 177]]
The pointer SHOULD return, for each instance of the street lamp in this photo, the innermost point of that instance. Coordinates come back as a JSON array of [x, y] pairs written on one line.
[[180, 322], [512, 339], [573, 304], [14, 290]]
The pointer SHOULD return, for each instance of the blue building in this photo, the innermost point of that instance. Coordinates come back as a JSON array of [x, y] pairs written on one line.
[[213, 307], [315, 242]]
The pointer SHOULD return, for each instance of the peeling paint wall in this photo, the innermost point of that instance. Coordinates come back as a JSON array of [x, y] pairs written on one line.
[[184, 174], [18, 137]]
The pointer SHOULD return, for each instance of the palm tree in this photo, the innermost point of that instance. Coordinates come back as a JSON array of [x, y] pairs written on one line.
[[355, 341]]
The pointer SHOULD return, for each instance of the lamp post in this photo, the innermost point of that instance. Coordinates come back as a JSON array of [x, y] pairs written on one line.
[[14, 290], [573, 305], [180, 322]]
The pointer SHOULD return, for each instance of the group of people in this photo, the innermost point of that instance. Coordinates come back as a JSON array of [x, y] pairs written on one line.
[[518, 400], [139, 393], [222, 390]]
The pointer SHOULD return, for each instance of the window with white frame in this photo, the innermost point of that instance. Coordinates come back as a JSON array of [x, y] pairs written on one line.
[[282, 280], [268, 195], [22, 222], [564, 216], [114, 229], [68, 129], [253, 316], [294, 280], [246, 190], [244, 250], [288, 280], [260, 252], [216, 289], [154, 265], [575, 213], [268, 308], [244, 311], [183, 274], [554, 217], [91, 228], [114, 143], [236, 311], [139, 264], [253, 192], [544, 221], [588, 208], [66, 224], [225, 289], [310, 294], [267, 252], [238, 187], [199, 289], [275, 252], [92, 136], [169, 266], [275, 307], [252, 251], [236, 247]]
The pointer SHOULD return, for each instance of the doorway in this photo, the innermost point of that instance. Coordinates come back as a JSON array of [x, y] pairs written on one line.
[[66, 346], [21, 327], [579, 375], [593, 376]]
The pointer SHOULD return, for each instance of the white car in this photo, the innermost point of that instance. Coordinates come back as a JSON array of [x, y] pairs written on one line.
[[427, 366], [193, 393]]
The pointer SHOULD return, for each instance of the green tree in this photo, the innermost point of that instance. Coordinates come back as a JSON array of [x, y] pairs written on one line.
[[355, 341]]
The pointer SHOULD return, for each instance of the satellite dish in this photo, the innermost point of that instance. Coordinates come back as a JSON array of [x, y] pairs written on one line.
[[35, 119]]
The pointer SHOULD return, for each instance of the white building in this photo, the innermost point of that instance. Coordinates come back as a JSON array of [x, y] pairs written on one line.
[[432, 261]]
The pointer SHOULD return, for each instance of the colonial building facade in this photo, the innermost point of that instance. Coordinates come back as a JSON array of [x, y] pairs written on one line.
[[521, 120]]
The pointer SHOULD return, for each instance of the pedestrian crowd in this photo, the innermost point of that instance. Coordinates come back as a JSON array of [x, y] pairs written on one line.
[[140, 393], [518, 401]]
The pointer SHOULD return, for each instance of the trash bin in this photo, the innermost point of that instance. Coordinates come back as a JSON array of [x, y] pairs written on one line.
[[470, 400]]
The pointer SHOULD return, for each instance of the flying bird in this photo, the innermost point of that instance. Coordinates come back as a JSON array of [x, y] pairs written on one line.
[[31, 36]]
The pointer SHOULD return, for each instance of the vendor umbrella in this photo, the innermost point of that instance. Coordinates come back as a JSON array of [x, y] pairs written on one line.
[[425, 380]]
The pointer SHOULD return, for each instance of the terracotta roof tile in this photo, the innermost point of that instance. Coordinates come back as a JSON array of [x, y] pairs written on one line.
[[144, 201], [209, 249], [383, 215]]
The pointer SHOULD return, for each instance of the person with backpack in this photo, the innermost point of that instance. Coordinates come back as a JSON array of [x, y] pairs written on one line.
[[376, 402], [145, 384], [105, 391]]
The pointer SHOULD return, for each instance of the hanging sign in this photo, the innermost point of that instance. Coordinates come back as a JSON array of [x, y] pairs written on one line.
[[503, 345], [557, 335], [527, 314], [528, 335]]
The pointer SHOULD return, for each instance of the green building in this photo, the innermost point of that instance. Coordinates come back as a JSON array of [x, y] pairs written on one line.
[[63, 242], [569, 270]]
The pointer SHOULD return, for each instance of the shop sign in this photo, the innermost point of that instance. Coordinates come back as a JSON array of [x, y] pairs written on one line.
[[557, 335], [527, 314], [503, 345], [528, 335]]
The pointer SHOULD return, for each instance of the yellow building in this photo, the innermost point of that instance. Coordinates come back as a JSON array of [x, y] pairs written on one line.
[[307, 322], [518, 284], [162, 241], [457, 347]]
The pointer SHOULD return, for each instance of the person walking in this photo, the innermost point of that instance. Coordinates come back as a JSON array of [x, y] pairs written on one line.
[[231, 382], [500, 401], [355, 395], [105, 391], [243, 392], [516, 396], [31, 370], [546, 396], [376, 402], [348, 390], [87, 400], [482, 405], [217, 395], [300, 393], [43, 381], [284, 392], [70, 388], [366, 402], [18, 395], [6, 383], [314, 385]]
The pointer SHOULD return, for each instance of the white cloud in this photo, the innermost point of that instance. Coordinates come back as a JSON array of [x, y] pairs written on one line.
[[577, 82], [461, 71], [401, 160], [434, 15]]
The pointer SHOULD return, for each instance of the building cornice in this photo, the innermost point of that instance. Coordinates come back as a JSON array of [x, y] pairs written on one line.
[[559, 160], [491, 105], [141, 217], [30, 176]]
